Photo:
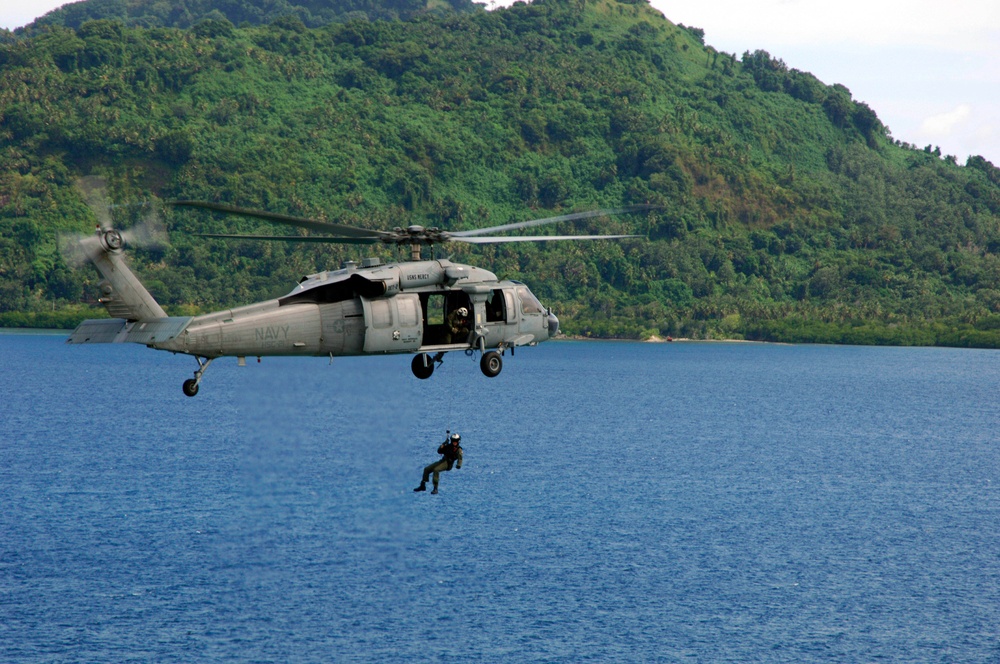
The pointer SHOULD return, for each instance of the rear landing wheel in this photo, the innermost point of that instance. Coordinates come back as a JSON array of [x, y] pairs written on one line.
[[422, 366], [190, 387], [491, 364]]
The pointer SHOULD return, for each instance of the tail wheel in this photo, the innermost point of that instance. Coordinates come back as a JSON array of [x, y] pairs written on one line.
[[491, 364], [190, 387], [422, 366]]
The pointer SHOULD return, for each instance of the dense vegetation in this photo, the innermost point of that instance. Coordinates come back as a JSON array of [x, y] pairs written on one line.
[[188, 13], [788, 211]]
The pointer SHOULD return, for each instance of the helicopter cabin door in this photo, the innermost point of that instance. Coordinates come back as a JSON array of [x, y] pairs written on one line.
[[392, 324]]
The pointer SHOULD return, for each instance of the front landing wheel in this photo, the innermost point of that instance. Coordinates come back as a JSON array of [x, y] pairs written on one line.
[[190, 387], [422, 366], [491, 364]]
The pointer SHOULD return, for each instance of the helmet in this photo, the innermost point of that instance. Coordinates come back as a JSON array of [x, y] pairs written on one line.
[[462, 311], [455, 438]]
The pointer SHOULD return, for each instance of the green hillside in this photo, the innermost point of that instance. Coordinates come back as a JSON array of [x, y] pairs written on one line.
[[787, 210], [188, 13]]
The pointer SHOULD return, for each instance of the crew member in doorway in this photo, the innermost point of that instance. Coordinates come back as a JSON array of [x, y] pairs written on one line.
[[458, 326], [451, 449]]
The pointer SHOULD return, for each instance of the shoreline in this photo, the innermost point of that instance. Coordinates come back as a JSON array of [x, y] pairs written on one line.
[[51, 331], [655, 339], [660, 340]]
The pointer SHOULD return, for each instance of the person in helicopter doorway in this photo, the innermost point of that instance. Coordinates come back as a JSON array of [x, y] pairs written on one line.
[[451, 449], [458, 326]]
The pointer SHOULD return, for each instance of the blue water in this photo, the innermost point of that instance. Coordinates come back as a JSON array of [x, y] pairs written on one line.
[[619, 502]]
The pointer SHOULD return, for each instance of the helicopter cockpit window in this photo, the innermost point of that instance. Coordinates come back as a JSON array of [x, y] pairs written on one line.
[[529, 303]]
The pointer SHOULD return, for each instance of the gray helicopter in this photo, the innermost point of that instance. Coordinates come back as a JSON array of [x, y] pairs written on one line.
[[422, 307]]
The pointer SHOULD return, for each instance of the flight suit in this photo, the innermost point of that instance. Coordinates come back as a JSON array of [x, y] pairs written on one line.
[[457, 328], [452, 457]]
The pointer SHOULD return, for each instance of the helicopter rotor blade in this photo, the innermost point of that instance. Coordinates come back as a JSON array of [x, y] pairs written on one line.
[[548, 220], [76, 248], [301, 222], [293, 238], [150, 232], [412, 235], [499, 239], [93, 189]]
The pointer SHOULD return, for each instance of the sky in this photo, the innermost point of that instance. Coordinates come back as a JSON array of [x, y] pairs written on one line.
[[930, 69]]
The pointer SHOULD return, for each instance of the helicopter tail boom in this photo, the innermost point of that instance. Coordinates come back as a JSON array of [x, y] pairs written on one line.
[[122, 294]]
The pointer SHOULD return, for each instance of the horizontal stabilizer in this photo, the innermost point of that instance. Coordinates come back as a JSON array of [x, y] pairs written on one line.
[[102, 331], [120, 331]]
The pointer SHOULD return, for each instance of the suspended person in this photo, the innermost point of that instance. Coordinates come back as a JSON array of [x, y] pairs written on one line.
[[451, 451]]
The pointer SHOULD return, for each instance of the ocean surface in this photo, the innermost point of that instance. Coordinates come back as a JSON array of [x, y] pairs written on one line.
[[679, 502]]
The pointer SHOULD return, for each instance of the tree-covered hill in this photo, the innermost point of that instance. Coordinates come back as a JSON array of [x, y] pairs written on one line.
[[188, 13], [787, 211]]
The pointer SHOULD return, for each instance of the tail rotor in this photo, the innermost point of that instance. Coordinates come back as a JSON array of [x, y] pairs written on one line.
[[78, 249], [122, 294]]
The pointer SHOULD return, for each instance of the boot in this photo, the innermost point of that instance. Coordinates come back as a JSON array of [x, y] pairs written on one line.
[[435, 490], [422, 487]]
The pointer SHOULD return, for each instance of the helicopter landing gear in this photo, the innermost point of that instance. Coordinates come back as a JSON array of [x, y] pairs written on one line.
[[423, 364], [491, 364], [190, 386]]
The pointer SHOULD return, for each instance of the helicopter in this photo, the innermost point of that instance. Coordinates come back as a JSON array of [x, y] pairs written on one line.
[[426, 308]]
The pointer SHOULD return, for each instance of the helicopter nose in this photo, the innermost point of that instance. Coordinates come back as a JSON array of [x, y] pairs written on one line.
[[553, 325]]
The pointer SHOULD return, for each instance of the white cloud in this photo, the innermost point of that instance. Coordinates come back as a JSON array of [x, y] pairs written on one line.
[[945, 124]]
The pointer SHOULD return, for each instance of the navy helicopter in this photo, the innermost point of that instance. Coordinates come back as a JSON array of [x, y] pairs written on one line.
[[422, 307]]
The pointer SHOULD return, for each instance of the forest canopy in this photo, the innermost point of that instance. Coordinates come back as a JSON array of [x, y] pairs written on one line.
[[188, 13]]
